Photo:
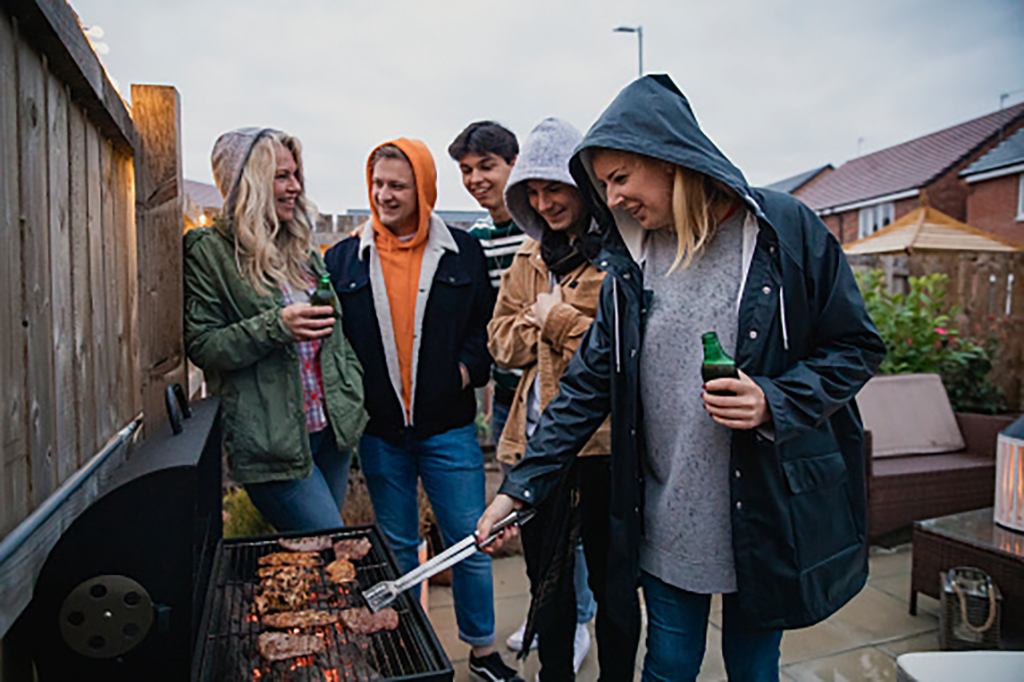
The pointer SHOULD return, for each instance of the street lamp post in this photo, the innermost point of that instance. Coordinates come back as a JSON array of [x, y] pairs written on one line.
[[639, 31]]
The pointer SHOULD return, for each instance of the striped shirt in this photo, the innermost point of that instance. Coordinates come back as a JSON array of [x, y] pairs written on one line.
[[500, 243], [309, 368]]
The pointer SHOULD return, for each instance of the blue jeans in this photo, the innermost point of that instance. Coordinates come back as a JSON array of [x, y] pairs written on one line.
[[499, 415], [677, 623], [451, 467], [307, 504], [586, 607]]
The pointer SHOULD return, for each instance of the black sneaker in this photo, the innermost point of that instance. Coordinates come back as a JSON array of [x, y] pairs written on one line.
[[491, 668]]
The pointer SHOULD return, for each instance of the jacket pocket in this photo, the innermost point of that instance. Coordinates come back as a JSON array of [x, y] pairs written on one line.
[[450, 293], [819, 506]]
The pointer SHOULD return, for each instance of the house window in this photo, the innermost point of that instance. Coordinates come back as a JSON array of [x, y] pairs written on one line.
[[1020, 197], [874, 218]]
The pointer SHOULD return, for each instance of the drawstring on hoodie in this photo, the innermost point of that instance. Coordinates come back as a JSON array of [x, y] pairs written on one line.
[[782, 319]]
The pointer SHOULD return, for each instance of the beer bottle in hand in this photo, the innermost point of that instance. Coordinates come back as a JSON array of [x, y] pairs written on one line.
[[716, 365], [324, 294]]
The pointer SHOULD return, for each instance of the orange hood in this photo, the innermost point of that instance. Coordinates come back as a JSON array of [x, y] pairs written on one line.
[[425, 174]]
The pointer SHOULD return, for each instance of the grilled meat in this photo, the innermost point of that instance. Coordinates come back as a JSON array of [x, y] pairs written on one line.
[[309, 559], [315, 543], [286, 589], [285, 573], [353, 550], [280, 646], [341, 571], [299, 619], [362, 621]]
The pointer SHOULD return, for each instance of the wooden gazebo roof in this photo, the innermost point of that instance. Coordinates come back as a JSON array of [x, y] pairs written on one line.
[[928, 229]]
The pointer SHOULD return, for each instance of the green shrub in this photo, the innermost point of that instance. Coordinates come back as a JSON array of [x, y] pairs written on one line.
[[241, 518], [920, 335]]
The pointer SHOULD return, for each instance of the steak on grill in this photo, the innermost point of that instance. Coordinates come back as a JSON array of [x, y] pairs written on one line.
[[280, 646], [285, 590], [341, 571], [309, 559], [362, 621], [315, 543], [299, 619], [303, 574], [353, 550]]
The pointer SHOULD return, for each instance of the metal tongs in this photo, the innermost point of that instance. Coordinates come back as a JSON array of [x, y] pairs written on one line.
[[385, 592]]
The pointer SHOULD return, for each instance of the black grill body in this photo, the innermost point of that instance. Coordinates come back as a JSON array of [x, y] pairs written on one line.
[[158, 523], [227, 646]]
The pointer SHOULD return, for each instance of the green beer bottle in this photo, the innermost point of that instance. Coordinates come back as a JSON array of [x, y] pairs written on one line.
[[324, 294], [716, 365]]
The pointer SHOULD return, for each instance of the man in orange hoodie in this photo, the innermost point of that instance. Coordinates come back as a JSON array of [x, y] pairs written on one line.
[[416, 301]]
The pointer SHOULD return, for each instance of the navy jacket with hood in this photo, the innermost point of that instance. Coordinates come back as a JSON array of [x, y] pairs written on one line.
[[798, 500]]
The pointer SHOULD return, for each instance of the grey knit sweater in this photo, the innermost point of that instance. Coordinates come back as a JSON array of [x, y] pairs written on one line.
[[687, 534]]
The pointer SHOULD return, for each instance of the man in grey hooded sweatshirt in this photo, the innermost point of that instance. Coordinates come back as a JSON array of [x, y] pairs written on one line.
[[548, 299]]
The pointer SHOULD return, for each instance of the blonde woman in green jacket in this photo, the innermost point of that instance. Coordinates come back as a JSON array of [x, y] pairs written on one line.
[[290, 384]]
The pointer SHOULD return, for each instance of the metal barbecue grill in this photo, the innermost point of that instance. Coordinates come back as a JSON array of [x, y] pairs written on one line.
[[226, 648]]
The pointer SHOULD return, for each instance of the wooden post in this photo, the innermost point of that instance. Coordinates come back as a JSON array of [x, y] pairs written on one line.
[[159, 211]]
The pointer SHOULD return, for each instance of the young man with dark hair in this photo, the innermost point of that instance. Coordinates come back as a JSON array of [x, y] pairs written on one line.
[[486, 152]]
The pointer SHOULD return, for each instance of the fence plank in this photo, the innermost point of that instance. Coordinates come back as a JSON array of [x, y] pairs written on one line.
[[66, 435], [113, 330], [127, 287], [97, 278], [14, 456], [81, 309], [159, 210], [36, 233]]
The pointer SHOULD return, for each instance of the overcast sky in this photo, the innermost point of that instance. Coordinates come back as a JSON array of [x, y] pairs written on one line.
[[781, 86]]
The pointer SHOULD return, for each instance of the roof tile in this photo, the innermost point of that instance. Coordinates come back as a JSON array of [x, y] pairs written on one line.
[[905, 166]]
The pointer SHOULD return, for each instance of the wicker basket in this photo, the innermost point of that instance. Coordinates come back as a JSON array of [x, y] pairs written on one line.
[[971, 606]]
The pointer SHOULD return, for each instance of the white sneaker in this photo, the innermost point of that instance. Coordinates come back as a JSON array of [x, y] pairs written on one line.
[[515, 640], [581, 645]]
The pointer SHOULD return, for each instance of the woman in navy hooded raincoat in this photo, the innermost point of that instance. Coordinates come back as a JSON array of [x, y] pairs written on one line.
[[758, 495]]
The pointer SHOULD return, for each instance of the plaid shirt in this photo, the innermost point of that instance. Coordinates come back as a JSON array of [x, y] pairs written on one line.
[[309, 368]]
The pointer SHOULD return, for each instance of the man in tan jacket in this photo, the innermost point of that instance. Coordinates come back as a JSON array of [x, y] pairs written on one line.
[[548, 299]]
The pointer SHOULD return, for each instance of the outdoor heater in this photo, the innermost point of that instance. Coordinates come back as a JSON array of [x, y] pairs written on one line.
[[1009, 499]]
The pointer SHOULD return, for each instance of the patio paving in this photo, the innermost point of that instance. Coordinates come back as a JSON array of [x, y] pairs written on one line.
[[860, 642]]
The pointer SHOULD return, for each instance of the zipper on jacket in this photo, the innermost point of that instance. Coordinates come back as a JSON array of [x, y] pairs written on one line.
[[615, 300]]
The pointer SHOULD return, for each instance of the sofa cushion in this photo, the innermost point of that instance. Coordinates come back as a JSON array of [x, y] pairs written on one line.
[[909, 414]]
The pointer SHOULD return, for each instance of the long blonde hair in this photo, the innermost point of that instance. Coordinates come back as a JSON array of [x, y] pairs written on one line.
[[696, 201], [270, 252]]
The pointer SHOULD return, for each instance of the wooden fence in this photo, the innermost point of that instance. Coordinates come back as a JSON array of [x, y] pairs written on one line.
[[91, 205], [68, 298], [989, 290]]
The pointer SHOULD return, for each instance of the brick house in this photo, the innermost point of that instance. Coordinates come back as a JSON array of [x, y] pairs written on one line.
[[995, 190], [869, 192], [800, 182]]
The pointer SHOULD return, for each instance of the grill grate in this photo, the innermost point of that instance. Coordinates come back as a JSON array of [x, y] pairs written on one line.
[[227, 648]]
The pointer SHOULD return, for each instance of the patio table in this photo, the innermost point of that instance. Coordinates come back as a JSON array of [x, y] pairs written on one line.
[[969, 539]]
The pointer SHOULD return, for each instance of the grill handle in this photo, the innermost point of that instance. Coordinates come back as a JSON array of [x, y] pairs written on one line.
[[177, 407]]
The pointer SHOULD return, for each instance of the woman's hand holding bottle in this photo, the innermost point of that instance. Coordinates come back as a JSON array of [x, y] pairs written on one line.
[[746, 409], [308, 322]]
